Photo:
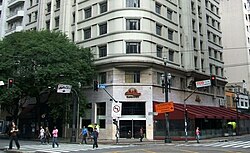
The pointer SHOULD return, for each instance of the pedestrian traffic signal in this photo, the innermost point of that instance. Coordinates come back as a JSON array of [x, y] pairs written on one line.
[[10, 82], [95, 85], [213, 80]]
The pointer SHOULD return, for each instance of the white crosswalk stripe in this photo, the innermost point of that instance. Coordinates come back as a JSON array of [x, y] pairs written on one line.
[[65, 148], [229, 144]]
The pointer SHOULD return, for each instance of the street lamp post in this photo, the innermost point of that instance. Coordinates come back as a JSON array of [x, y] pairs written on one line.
[[75, 103], [166, 84]]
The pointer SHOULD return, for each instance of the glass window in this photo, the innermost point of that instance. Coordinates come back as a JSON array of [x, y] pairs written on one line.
[[133, 108], [132, 24], [102, 77], [159, 78], [170, 34], [49, 7], [133, 47], [103, 7], [101, 108], [171, 55], [87, 12], [103, 28], [158, 29], [73, 17], [58, 3], [159, 51], [87, 33], [169, 14], [57, 20], [29, 17], [132, 3], [47, 24], [103, 51], [158, 8], [132, 77]]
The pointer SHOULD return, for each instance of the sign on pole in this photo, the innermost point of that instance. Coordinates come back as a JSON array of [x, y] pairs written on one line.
[[116, 110], [203, 83], [63, 88], [164, 107], [102, 86], [1, 83]]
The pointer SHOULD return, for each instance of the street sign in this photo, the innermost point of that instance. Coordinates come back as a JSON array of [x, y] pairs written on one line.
[[63, 88], [116, 110], [203, 83], [164, 107], [1, 83], [102, 86]]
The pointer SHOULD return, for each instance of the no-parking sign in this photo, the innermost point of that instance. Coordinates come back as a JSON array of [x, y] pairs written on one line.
[[116, 110]]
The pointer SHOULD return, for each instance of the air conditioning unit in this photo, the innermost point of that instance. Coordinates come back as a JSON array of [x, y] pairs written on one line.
[[222, 102]]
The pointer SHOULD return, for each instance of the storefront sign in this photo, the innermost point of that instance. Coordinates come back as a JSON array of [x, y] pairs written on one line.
[[132, 93], [165, 107]]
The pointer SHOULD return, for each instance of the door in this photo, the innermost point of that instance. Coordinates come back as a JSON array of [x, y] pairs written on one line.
[[131, 128]]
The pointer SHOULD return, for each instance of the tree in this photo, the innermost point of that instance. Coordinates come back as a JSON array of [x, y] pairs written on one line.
[[38, 60]]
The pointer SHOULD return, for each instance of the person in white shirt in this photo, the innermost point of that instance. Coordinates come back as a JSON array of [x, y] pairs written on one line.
[[41, 135]]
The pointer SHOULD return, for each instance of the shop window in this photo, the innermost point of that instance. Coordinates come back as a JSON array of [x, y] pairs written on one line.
[[133, 108]]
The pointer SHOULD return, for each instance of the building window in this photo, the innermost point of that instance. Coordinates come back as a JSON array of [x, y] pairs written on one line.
[[58, 3], [47, 24], [73, 17], [159, 78], [103, 51], [159, 51], [101, 113], [171, 55], [170, 34], [195, 62], [73, 36], [87, 33], [133, 3], [31, 3], [103, 7], [49, 7], [133, 108], [87, 12], [158, 8], [158, 29], [193, 25], [132, 24], [133, 47], [103, 28], [132, 77], [169, 14], [102, 77], [202, 64], [57, 20], [36, 15], [194, 43], [29, 17]]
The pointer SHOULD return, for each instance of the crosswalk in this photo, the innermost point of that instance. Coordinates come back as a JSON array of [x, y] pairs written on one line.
[[228, 144], [64, 148]]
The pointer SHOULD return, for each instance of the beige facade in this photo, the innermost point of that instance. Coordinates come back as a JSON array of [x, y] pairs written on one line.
[[129, 39]]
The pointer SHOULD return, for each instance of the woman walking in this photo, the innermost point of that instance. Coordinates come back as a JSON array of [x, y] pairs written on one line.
[[47, 135], [55, 135]]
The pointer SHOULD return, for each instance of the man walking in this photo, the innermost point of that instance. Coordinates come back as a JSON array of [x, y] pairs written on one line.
[[84, 134], [141, 134], [95, 136], [13, 135], [55, 135]]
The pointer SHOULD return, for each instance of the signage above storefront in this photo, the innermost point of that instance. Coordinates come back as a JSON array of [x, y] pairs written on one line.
[[132, 93]]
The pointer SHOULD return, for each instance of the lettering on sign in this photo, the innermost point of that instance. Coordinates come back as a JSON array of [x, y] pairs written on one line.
[[164, 107]]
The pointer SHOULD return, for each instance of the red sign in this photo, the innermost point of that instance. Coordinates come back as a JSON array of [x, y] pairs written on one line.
[[165, 107]]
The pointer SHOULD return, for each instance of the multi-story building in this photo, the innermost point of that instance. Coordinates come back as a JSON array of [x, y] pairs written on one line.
[[235, 27], [130, 40]]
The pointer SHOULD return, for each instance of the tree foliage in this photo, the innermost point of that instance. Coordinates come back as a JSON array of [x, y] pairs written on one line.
[[38, 60]]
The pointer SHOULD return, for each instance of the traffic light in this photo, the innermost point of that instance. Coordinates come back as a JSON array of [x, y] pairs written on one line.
[[95, 85], [10, 82], [115, 122], [213, 80]]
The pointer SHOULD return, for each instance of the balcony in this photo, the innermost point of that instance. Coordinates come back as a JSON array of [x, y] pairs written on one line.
[[13, 3], [15, 28], [15, 15]]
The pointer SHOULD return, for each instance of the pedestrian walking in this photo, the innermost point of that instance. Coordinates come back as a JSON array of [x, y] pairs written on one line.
[[141, 134], [55, 135], [95, 137], [84, 134], [197, 132], [42, 135], [47, 135], [13, 135]]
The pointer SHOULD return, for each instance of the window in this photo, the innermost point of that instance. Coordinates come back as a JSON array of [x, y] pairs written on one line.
[[159, 51], [133, 108], [195, 62], [48, 24], [29, 17], [36, 14], [73, 17], [57, 20], [194, 43], [102, 77], [103, 28], [193, 25], [170, 34], [132, 3], [101, 113], [158, 29], [132, 77], [159, 78], [103, 7], [58, 3], [49, 7], [73, 36], [158, 8], [202, 64], [87, 33], [87, 12], [133, 47], [103, 51], [132, 24], [169, 14], [31, 2], [171, 55]]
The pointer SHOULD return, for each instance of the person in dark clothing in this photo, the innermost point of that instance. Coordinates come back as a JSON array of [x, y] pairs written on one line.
[[141, 134], [95, 136], [13, 135]]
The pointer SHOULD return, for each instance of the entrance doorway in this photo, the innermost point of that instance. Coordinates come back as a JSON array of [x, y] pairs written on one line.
[[131, 128]]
